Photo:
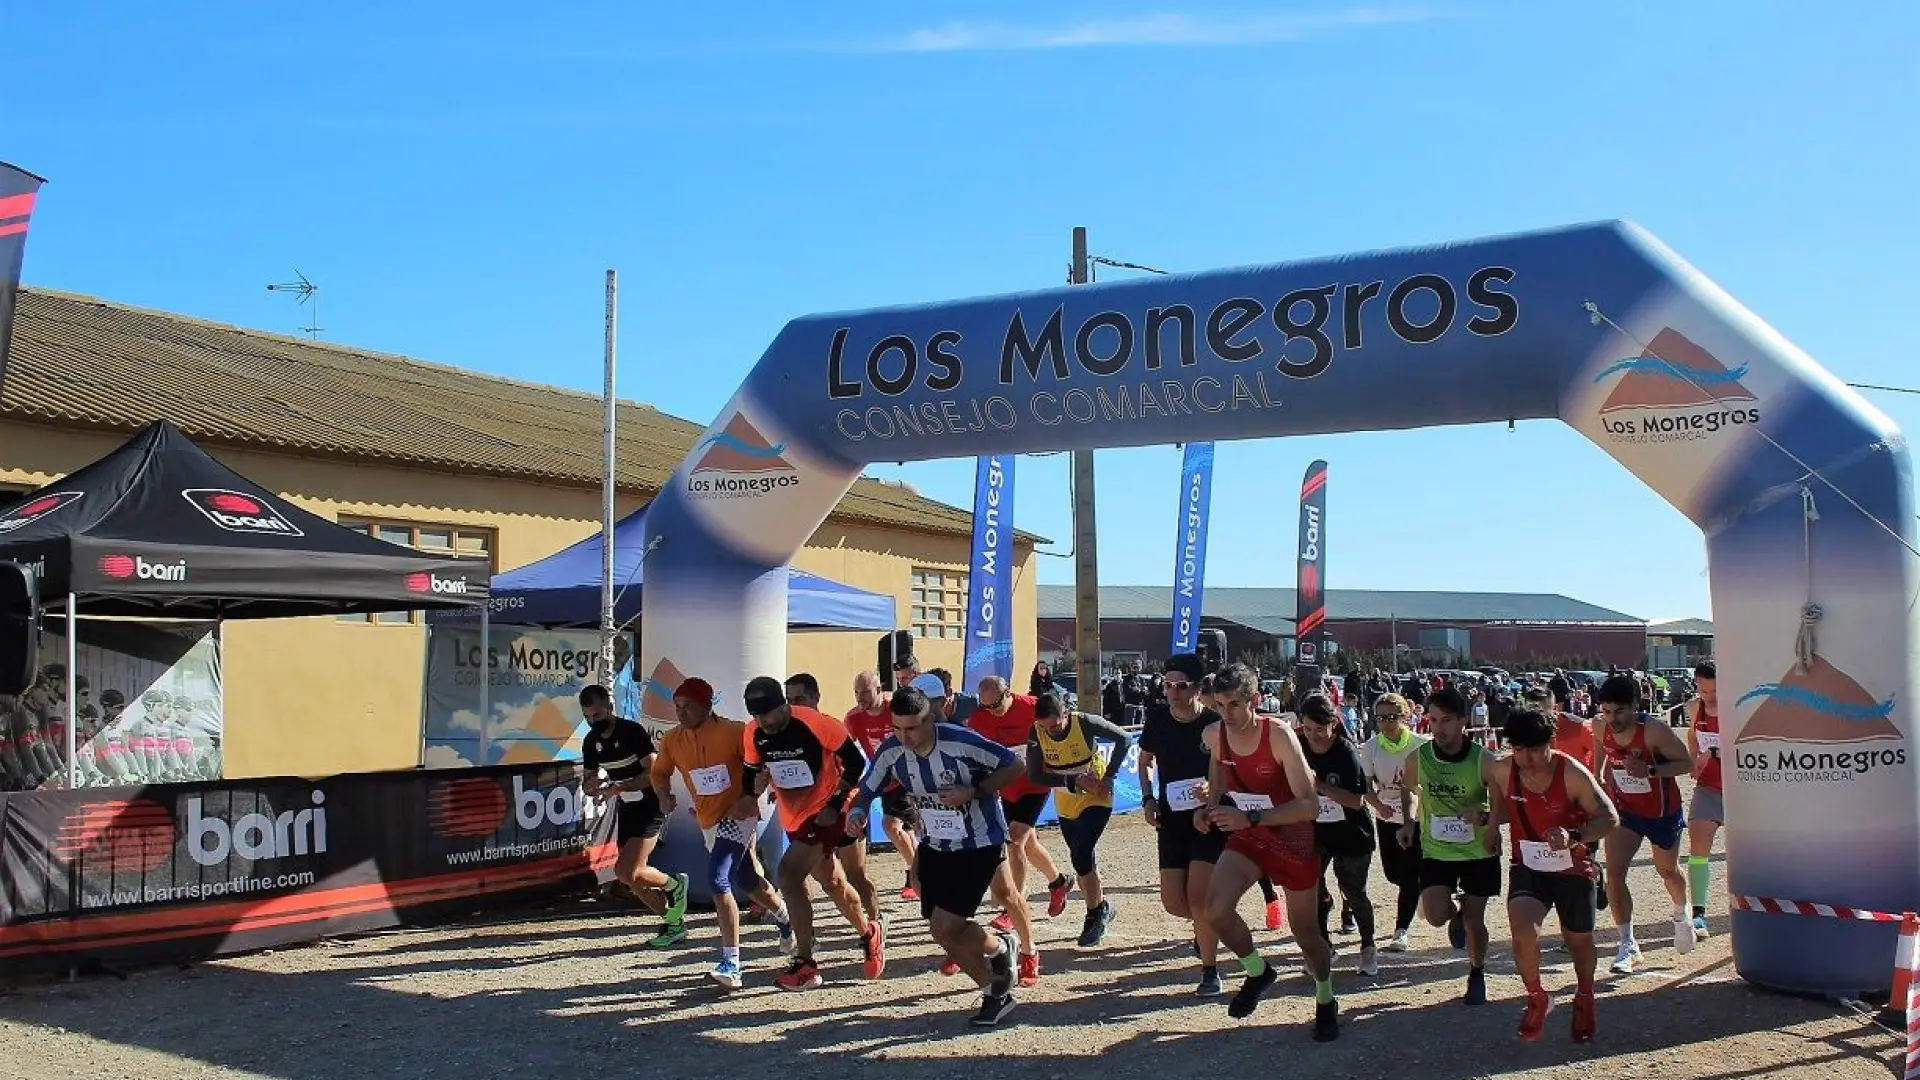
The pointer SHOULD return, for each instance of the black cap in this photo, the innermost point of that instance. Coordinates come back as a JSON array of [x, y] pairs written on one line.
[[763, 695], [1187, 664]]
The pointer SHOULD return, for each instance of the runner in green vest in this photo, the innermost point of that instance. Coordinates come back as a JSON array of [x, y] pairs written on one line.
[[1458, 835]]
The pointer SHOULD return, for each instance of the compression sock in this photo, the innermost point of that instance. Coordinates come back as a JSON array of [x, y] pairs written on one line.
[[1322, 990], [1700, 879], [1254, 963]]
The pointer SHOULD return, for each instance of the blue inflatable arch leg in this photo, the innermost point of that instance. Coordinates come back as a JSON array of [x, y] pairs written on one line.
[[1803, 490]]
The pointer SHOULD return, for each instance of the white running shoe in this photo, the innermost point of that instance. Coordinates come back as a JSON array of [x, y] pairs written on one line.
[[727, 974], [1625, 956], [1369, 961], [1400, 942], [1700, 931], [1683, 937]]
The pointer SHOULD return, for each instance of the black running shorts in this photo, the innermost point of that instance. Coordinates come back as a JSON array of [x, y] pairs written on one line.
[[1571, 897], [956, 882]]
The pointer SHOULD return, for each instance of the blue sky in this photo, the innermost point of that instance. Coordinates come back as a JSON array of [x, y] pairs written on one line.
[[457, 177]]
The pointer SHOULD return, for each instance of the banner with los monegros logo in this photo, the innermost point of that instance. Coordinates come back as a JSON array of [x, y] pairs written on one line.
[[180, 872]]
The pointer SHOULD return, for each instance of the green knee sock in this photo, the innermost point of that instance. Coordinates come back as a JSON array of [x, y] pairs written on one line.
[[1254, 963], [1322, 991], [1700, 878]]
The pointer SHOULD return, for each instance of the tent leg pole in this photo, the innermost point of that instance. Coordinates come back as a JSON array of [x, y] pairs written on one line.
[[73, 690], [486, 682]]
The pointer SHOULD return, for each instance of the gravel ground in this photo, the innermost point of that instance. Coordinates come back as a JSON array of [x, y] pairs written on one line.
[[570, 991]]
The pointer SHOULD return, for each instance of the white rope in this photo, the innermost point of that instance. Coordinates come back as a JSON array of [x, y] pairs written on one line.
[[1805, 643], [1596, 316]]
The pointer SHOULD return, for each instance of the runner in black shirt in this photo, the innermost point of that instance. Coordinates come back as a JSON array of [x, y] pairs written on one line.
[[623, 750], [1174, 764], [1343, 832]]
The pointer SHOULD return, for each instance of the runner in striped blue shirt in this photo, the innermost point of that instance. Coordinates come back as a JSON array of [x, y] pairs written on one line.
[[953, 777]]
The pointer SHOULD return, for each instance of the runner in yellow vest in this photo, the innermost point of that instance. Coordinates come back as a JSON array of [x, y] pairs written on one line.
[[1062, 754]]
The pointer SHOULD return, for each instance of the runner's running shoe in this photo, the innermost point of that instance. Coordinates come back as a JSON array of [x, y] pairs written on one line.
[[727, 973], [669, 935], [874, 945], [1094, 930], [802, 974], [1534, 1020], [1057, 891], [1583, 1023]]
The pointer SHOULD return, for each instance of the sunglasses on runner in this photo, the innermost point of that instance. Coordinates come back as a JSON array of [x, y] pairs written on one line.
[[1177, 687]]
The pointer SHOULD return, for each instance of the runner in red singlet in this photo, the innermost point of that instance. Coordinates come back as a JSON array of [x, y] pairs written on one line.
[[870, 723], [1261, 794], [1555, 813], [1639, 757], [1708, 811]]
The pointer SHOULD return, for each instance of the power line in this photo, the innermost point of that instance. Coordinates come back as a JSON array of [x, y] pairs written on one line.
[[1886, 389]]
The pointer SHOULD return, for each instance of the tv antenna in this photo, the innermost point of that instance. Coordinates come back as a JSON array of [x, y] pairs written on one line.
[[307, 291]]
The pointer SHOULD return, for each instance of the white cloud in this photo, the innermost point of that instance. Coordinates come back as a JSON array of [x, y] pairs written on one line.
[[1166, 29], [464, 720], [446, 757]]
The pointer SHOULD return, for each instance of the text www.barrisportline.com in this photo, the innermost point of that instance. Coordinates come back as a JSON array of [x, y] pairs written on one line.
[[515, 851], [197, 891]]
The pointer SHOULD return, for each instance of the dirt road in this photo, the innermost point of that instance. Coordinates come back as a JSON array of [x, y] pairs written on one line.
[[570, 992]]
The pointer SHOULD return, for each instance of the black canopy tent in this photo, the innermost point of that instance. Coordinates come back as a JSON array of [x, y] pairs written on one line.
[[158, 529]]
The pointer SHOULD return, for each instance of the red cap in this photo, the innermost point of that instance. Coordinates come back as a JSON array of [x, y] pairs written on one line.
[[696, 690]]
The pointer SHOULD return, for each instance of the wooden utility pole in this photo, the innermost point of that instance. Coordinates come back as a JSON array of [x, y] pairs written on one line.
[[1086, 541]]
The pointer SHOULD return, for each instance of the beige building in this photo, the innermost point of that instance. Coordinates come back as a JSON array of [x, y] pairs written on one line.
[[430, 456]]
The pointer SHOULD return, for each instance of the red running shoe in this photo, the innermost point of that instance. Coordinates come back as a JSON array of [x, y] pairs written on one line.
[[1276, 915], [1029, 969], [1057, 891], [1534, 1021], [1002, 922], [802, 975], [949, 968], [1583, 1025], [909, 893], [874, 944]]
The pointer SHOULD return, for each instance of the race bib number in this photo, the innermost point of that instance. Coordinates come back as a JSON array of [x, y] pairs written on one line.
[[1245, 801], [1541, 856], [1184, 794], [633, 796], [943, 824], [1630, 784], [1708, 740], [712, 780], [788, 775], [1330, 811], [1451, 830], [1390, 798]]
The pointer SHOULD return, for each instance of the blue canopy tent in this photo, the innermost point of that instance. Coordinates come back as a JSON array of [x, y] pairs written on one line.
[[563, 590]]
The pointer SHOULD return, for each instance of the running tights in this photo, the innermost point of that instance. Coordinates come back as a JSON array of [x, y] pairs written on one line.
[[1350, 874], [1082, 834]]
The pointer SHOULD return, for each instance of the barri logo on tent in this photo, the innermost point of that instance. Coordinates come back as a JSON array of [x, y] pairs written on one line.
[[739, 462], [434, 583], [1674, 391], [125, 567], [34, 509], [257, 836], [467, 809], [121, 835], [237, 511]]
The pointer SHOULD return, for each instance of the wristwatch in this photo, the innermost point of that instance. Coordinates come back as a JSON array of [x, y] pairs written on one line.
[[1253, 817]]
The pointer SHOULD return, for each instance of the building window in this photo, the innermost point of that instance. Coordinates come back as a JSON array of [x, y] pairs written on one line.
[[939, 604], [459, 542]]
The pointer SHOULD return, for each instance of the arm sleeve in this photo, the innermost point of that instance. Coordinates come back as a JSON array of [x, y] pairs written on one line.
[[1099, 728], [853, 764]]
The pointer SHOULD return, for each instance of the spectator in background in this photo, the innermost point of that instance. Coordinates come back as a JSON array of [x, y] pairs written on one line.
[[1041, 681]]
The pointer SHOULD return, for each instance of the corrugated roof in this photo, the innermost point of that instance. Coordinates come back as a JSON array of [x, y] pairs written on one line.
[[82, 361], [1682, 628], [1241, 605]]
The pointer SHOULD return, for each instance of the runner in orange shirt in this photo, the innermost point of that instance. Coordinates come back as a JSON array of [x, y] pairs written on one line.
[[814, 766]]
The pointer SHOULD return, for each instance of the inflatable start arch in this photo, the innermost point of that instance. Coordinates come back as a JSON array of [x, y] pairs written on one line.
[[1803, 490]]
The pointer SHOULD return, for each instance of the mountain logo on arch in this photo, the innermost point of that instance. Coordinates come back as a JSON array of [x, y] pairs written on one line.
[[656, 694], [1674, 391], [1820, 705], [738, 461], [34, 509]]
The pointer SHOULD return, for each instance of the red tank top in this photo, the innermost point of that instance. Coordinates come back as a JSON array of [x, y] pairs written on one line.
[[1537, 813], [1663, 794], [1707, 724], [1259, 773]]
